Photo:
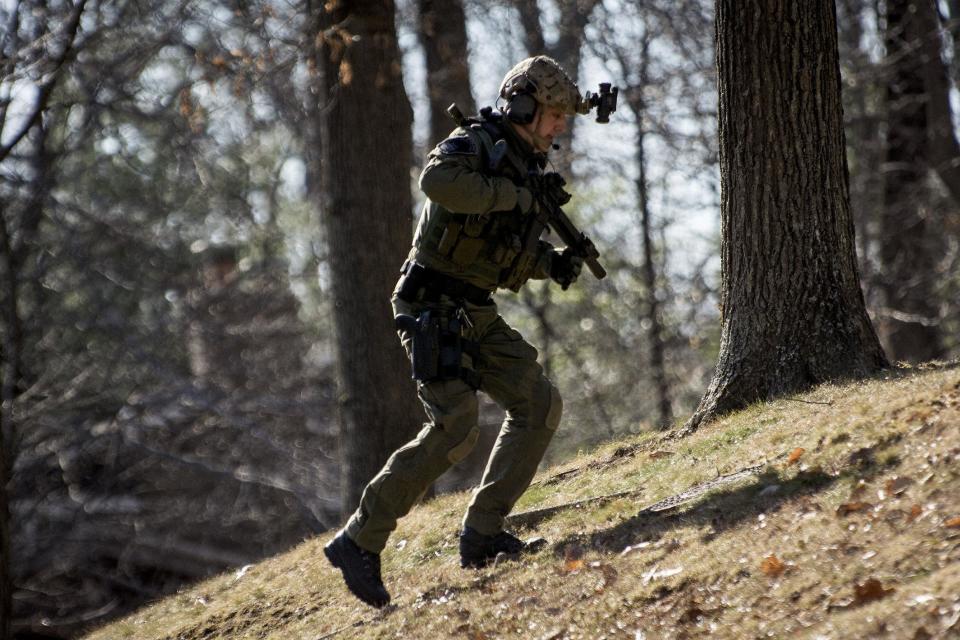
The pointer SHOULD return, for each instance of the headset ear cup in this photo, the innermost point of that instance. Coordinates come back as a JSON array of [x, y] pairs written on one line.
[[521, 108]]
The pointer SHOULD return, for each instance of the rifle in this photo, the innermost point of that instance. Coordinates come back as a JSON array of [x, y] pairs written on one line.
[[550, 195], [548, 188]]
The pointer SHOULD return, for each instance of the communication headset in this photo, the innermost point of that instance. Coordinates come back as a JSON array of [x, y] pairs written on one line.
[[521, 107]]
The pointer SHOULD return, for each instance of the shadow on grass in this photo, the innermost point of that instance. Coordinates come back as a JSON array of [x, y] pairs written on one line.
[[721, 509]]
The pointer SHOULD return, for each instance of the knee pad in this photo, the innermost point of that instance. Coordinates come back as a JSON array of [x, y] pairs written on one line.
[[462, 450], [548, 405], [555, 411]]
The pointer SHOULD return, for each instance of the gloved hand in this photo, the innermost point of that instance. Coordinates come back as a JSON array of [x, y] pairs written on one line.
[[565, 267], [526, 203]]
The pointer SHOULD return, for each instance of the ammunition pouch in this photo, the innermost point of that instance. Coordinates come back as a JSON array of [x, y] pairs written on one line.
[[437, 347]]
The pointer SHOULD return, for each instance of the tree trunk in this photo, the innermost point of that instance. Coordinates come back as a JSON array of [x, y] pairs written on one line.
[[658, 372], [908, 246], [865, 146], [366, 149], [9, 376], [792, 311], [953, 26], [443, 33], [532, 31], [943, 150], [567, 50], [636, 101]]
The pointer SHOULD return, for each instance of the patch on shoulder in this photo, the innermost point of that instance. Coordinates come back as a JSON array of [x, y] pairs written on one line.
[[458, 145]]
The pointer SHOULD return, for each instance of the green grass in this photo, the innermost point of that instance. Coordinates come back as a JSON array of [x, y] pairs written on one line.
[[854, 539]]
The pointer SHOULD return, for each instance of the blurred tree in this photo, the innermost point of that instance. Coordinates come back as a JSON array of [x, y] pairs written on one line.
[[443, 34], [35, 47], [919, 136], [567, 49], [793, 312], [625, 38], [140, 467], [636, 102], [863, 96], [365, 202]]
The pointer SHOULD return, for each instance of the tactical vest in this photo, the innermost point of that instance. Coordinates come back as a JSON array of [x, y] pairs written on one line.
[[487, 250]]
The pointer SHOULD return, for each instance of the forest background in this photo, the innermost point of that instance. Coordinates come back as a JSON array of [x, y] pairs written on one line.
[[182, 388]]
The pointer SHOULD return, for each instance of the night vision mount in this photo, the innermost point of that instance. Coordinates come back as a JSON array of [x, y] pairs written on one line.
[[605, 101]]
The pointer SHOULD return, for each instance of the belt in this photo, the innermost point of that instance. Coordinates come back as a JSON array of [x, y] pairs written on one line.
[[418, 282]]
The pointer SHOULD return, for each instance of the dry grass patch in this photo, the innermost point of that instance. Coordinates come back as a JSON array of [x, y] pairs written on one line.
[[852, 529]]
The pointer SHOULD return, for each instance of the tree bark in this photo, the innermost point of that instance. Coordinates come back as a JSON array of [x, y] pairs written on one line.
[[443, 34], [366, 148], [792, 311], [908, 244]]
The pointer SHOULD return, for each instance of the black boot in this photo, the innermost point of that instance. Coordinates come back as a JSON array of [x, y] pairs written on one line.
[[477, 550], [360, 568]]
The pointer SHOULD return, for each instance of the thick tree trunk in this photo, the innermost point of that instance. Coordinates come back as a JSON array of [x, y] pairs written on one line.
[[792, 310], [908, 236], [366, 148], [443, 33]]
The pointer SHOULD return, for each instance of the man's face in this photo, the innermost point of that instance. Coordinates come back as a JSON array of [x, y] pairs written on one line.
[[549, 123]]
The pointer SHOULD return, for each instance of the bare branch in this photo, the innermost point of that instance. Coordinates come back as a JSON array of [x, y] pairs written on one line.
[[46, 88]]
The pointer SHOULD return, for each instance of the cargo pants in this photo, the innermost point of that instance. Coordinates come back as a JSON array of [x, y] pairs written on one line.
[[510, 375]]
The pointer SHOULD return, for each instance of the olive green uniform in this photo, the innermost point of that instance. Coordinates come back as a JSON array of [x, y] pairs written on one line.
[[472, 229]]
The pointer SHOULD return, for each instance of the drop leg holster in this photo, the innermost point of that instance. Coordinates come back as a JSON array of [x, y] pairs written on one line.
[[438, 346]]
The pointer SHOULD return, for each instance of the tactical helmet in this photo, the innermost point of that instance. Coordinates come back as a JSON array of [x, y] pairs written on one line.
[[544, 79]]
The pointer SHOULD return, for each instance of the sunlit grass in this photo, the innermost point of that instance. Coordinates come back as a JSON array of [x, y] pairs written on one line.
[[870, 498]]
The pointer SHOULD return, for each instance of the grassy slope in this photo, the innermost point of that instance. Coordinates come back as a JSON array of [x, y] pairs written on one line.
[[886, 451]]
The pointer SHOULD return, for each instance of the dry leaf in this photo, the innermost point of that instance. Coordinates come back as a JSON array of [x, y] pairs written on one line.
[[772, 566], [572, 559], [852, 507], [953, 523], [869, 591], [346, 73], [896, 486], [915, 512], [795, 455]]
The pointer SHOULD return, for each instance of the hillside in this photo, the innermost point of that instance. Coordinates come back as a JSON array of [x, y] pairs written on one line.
[[833, 514]]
